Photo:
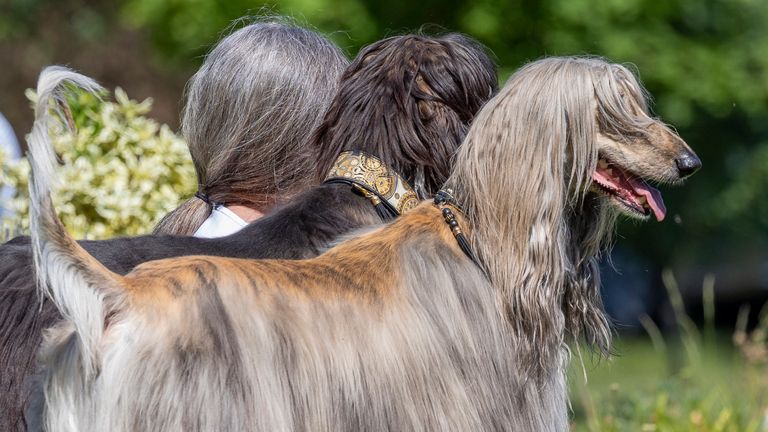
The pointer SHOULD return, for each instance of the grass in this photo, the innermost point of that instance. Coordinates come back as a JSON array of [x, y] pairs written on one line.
[[695, 380], [643, 390]]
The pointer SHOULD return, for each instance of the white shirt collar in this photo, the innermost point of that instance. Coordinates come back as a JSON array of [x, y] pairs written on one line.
[[222, 222]]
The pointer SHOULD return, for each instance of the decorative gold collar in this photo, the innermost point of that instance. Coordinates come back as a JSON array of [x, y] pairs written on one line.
[[377, 181]]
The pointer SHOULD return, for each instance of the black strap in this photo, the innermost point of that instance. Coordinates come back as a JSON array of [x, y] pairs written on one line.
[[443, 198], [384, 209]]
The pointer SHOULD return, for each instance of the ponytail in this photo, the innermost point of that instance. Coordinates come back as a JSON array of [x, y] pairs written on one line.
[[186, 219]]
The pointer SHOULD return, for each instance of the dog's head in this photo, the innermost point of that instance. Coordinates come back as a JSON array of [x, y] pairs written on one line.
[[409, 100], [572, 135], [566, 146], [634, 149]]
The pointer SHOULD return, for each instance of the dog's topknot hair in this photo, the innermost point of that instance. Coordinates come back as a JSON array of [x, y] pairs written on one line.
[[409, 100]]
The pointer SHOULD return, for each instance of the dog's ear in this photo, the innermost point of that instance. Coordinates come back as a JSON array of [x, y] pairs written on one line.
[[435, 129]]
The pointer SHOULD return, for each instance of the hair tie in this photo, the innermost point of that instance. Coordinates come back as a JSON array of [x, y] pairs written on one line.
[[203, 197]]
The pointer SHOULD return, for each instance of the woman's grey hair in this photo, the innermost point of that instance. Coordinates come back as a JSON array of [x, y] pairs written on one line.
[[249, 114]]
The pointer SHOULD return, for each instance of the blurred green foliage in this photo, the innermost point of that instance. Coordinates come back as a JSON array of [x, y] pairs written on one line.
[[704, 61]]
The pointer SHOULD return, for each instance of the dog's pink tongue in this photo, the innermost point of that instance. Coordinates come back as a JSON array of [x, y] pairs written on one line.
[[652, 195]]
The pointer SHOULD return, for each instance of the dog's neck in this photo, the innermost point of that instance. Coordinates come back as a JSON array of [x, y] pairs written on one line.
[[544, 268], [247, 214], [444, 200], [591, 231]]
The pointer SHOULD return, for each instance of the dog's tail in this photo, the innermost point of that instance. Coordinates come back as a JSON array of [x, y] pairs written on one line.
[[83, 289]]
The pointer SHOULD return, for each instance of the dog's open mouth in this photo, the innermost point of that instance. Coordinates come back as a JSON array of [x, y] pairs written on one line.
[[631, 191]]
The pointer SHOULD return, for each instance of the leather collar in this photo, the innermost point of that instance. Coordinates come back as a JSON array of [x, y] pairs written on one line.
[[383, 184]]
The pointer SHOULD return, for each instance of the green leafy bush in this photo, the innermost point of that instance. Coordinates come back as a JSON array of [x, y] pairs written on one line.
[[120, 172]]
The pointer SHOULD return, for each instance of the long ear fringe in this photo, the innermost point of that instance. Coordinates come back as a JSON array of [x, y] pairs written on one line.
[[539, 132], [80, 286]]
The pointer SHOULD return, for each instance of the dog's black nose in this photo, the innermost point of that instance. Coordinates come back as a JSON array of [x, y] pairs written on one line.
[[688, 164]]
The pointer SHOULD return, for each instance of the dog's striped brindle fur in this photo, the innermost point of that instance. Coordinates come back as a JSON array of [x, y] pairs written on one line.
[[393, 330]]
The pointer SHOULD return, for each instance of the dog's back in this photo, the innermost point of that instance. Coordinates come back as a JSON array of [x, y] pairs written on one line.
[[356, 339], [300, 229]]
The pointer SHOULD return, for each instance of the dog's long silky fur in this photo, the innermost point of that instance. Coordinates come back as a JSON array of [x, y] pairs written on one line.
[[406, 99], [396, 329]]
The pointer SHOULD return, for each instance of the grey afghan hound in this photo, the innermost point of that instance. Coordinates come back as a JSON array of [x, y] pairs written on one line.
[[453, 317]]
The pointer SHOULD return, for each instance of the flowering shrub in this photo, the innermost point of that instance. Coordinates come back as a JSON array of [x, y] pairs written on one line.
[[120, 173]]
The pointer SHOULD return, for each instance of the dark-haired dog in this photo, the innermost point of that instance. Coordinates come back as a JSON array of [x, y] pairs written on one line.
[[407, 100]]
